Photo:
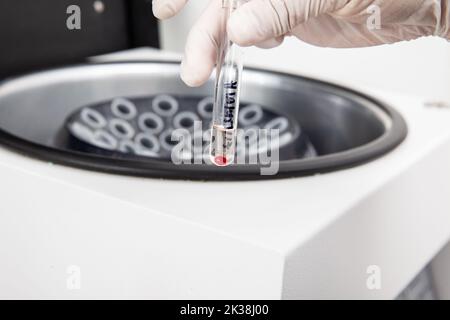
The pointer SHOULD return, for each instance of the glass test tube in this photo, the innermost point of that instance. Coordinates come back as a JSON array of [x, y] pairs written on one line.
[[226, 96]]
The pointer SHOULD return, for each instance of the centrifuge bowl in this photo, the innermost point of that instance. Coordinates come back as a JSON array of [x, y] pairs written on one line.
[[346, 128]]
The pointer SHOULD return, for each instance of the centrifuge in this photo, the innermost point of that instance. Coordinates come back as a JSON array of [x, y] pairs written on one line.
[[363, 184]]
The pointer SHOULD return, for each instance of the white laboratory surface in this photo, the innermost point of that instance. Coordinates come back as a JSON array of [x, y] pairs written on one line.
[[69, 233]]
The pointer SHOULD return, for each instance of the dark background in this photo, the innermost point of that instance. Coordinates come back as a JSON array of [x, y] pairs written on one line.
[[34, 35]]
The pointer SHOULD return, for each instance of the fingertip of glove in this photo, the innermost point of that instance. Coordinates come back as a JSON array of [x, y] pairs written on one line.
[[163, 9], [239, 30], [270, 43], [189, 81], [189, 76]]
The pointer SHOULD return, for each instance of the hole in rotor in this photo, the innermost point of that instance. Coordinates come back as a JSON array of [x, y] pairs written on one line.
[[150, 123], [187, 122], [147, 143]]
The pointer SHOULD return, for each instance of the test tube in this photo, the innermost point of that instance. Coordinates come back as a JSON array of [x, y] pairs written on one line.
[[226, 95]]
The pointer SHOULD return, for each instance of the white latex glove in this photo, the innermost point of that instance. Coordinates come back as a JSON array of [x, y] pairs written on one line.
[[326, 23]]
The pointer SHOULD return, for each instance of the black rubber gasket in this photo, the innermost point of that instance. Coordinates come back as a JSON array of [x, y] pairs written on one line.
[[160, 169]]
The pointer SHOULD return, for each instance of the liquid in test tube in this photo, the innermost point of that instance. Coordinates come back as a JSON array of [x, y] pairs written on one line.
[[226, 96]]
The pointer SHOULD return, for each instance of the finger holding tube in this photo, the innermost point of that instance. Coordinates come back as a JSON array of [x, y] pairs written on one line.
[[202, 46], [261, 20]]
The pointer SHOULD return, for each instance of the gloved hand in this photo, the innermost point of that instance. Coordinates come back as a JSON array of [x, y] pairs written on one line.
[[326, 23]]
